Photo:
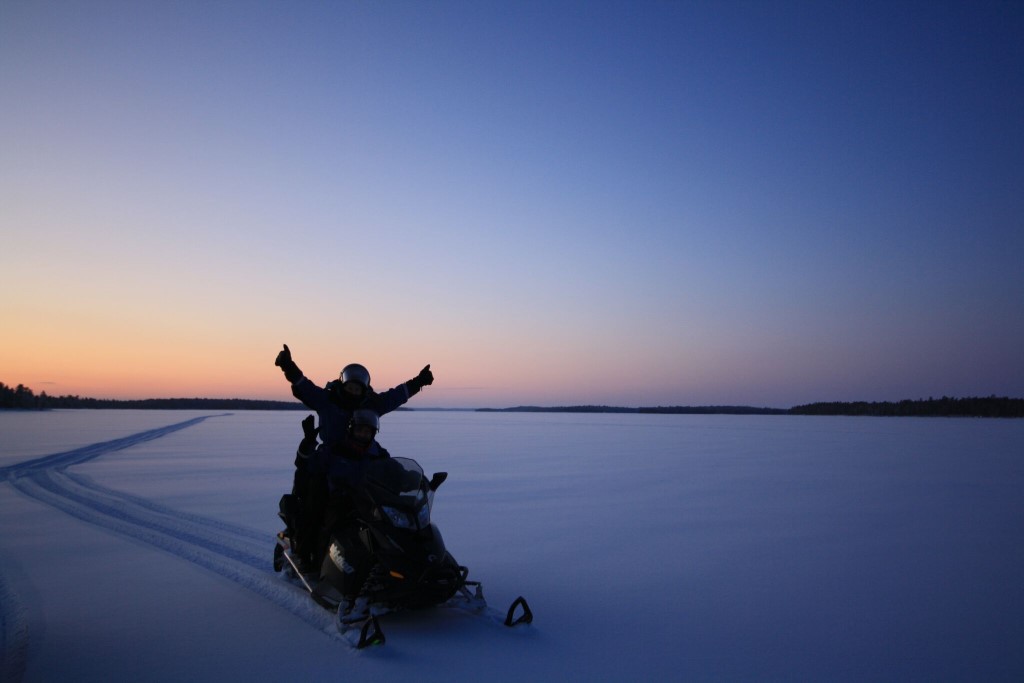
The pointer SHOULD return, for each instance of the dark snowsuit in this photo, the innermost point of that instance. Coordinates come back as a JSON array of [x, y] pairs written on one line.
[[346, 562], [311, 496], [335, 415]]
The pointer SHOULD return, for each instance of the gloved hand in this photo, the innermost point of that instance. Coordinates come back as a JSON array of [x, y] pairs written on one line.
[[308, 445], [421, 380], [285, 362], [308, 430]]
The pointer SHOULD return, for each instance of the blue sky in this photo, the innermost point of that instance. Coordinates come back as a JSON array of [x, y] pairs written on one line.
[[764, 203]]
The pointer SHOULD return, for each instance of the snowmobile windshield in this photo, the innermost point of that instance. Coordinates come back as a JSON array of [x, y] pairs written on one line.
[[397, 476], [400, 490]]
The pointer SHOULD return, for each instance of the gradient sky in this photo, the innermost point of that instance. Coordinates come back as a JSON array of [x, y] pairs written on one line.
[[628, 203]]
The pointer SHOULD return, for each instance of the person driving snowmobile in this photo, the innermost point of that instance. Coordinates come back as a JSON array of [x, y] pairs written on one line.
[[344, 569]]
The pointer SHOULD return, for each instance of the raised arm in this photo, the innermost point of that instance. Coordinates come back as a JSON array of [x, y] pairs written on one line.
[[396, 397], [421, 380], [288, 366], [303, 389]]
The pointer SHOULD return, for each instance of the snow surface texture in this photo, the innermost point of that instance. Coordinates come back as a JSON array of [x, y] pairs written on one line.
[[136, 545]]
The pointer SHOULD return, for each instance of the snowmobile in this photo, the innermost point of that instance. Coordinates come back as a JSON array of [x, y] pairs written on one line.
[[410, 567]]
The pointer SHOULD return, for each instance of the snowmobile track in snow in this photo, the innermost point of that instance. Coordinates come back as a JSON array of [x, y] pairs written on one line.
[[233, 552]]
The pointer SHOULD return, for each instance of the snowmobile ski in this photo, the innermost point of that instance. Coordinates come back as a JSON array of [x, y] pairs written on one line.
[[283, 552], [368, 630], [518, 613], [525, 618]]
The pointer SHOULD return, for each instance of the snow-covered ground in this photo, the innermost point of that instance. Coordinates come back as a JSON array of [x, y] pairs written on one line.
[[650, 547]]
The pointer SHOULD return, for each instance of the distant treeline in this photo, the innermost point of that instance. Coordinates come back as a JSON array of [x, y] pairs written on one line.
[[666, 410], [21, 397], [992, 406], [933, 407]]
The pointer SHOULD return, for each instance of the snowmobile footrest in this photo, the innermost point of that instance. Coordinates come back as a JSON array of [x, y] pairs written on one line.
[[525, 618]]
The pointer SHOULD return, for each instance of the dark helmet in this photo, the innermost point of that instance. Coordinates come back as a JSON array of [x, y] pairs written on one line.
[[358, 376], [360, 421]]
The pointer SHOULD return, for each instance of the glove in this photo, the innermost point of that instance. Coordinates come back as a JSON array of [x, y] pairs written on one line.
[[308, 445], [421, 380], [285, 362], [308, 430]]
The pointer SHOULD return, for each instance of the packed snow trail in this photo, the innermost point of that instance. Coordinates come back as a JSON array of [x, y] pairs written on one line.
[[233, 552], [77, 456]]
